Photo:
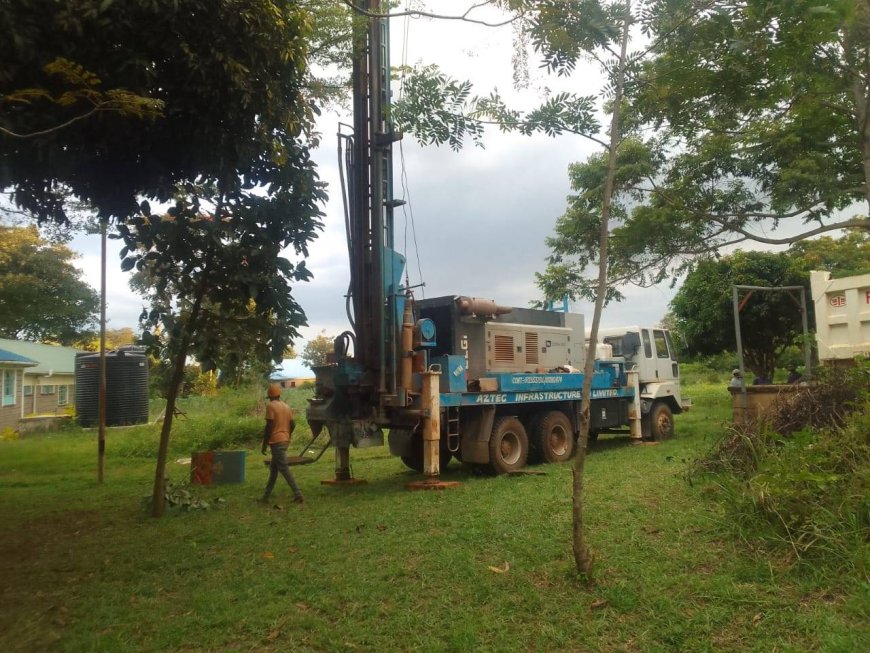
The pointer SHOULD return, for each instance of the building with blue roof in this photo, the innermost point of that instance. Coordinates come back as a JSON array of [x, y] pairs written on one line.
[[37, 380]]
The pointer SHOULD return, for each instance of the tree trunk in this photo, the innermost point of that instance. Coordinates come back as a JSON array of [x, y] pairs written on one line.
[[853, 44], [582, 556], [158, 500]]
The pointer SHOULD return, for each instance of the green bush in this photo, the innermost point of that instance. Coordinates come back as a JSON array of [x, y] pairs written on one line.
[[700, 372], [814, 490], [232, 419], [803, 479]]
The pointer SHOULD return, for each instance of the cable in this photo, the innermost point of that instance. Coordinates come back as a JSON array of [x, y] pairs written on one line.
[[407, 209], [348, 161]]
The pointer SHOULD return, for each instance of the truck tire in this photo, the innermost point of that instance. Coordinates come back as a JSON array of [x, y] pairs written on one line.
[[553, 437], [414, 460], [660, 421], [508, 445]]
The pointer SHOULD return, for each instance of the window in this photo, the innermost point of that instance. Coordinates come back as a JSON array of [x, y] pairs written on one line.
[[28, 390], [62, 395], [661, 344], [46, 389], [616, 343], [647, 345], [8, 387]]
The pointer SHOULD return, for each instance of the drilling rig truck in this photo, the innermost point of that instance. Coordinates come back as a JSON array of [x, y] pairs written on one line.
[[458, 376]]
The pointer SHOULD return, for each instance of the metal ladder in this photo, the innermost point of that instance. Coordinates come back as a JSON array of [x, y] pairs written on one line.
[[452, 429]]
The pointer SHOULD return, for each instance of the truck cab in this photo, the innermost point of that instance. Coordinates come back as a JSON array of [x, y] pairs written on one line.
[[651, 352]]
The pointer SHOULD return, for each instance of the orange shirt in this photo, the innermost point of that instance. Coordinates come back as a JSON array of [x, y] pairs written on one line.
[[280, 415]]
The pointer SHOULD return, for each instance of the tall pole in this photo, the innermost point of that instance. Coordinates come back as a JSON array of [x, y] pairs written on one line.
[[101, 437], [744, 399], [806, 330]]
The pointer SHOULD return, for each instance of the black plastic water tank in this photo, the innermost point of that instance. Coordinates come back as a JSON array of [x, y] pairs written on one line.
[[126, 387]]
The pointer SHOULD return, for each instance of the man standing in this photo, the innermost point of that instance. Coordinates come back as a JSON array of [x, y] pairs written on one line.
[[276, 434], [736, 379]]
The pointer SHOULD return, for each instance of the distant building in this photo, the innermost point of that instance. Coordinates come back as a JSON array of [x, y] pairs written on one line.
[[41, 380], [295, 377], [294, 383], [12, 368]]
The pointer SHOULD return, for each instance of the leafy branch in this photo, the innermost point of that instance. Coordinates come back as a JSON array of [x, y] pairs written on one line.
[[86, 90]]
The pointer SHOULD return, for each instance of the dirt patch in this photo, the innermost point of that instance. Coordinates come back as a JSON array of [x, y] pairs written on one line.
[[41, 574], [34, 538]]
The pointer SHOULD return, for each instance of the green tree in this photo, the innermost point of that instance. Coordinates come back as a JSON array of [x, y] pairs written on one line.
[[317, 349], [115, 338], [228, 75], [80, 98], [41, 291], [236, 344], [769, 321], [229, 151], [842, 257], [762, 116], [219, 272]]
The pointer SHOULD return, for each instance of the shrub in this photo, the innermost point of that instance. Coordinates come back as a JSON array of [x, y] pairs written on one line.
[[803, 479], [232, 419], [9, 433], [814, 490]]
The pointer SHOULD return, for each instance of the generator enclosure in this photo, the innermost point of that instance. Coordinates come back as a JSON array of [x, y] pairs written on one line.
[[507, 339]]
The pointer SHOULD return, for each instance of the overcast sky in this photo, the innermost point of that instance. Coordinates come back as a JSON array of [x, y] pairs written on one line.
[[481, 215]]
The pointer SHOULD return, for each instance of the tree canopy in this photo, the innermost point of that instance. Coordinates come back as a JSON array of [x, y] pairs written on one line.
[[842, 257], [761, 119], [769, 321], [41, 291], [747, 121], [229, 151], [317, 349], [702, 311], [229, 77]]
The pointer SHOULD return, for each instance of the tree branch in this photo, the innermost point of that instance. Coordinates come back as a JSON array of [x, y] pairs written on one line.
[[425, 14], [42, 132]]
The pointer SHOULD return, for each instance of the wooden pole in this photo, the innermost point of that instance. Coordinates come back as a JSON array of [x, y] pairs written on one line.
[[101, 437]]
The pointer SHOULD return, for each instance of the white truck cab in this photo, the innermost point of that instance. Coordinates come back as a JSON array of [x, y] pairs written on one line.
[[651, 352]]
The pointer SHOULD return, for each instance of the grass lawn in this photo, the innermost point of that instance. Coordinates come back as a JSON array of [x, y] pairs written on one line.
[[486, 566]]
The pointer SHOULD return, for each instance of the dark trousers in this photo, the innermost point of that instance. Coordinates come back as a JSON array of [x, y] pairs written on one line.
[[279, 466]]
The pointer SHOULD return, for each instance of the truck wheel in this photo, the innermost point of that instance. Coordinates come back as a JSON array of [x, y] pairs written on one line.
[[508, 445], [661, 422], [553, 437], [414, 460]]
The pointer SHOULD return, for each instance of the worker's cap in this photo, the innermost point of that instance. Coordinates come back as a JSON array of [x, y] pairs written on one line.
[[736, 372], [274, 391]]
